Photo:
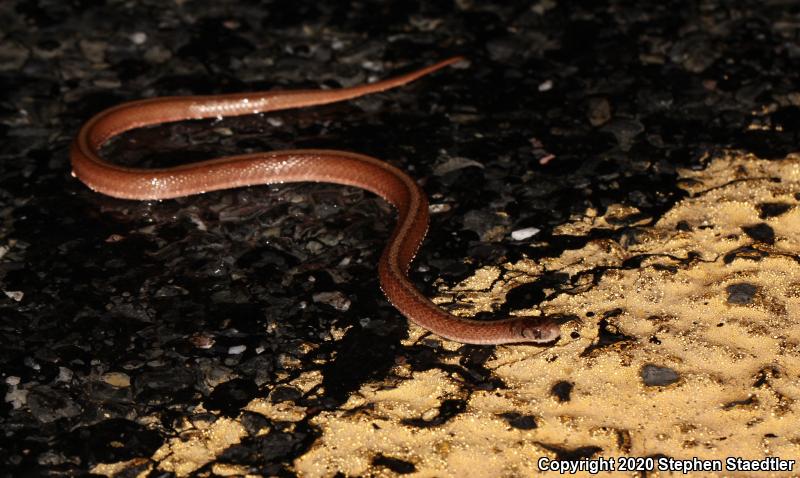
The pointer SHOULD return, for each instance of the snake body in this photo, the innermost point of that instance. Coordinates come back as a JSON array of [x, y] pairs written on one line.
[[328, 166]]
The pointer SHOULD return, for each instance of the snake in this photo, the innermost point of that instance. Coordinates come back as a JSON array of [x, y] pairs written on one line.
[[289, 166]]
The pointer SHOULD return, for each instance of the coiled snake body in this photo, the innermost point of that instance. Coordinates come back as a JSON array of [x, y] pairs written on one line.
[[329, 166]]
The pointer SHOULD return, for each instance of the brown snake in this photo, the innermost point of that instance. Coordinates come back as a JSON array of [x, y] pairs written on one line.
[[328, 166]]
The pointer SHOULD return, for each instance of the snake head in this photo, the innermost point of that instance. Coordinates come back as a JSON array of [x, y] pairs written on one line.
[[535, 330]]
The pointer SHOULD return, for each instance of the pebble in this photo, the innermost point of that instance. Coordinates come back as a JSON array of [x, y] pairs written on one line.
[[138, 38], [454, 163], [521, 422], [761, 232], [16, 397], [625, 130], [438, 208], [117, 379], [522, 234], [94, 51], [741, 294], [430, 414], [202, 341], [15, 295], [562, 391], [335, 299], [654, 375], [48, 404], [772, 209], [65, 375], [157, 54], [12, 55], [599, 111]]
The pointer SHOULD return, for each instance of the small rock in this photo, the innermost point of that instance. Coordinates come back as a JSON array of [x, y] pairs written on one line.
[[503, 48], [12, 55], [520, 422], [48, 404], [171, 290], [489, 225], [522, 234], [439, 208], [157, 54], [117, 379], [30, 362], [94, 51], [654, 375], [430, 414], [337, 300], [741, 293], [138, 38], [229, 397], [767, 210], [202, 341], [625, 130], [64, 375], [223, 131], [164, 380], [213, 373], [599, 111], [562, 391], [761, 232], [16, 397], [285, 393], [694, 52], [396, 465], [51, 458], [455, 163]]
